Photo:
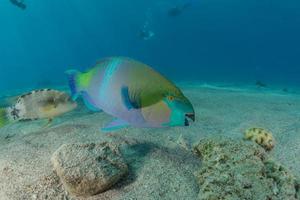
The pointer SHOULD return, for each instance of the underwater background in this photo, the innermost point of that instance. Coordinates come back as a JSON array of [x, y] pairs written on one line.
[[210, 41], [236, 62]]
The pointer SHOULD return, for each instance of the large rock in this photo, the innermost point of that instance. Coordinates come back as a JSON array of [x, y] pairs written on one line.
[[237, 170], [88, 169]]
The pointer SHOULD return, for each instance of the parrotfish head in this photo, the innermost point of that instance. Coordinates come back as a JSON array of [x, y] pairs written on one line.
[[170, 111], [181, 111]]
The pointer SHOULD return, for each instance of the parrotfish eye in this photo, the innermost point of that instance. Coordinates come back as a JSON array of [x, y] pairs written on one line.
[[171, 98]]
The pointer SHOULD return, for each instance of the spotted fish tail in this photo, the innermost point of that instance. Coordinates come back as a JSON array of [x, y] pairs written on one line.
[[4, 120]]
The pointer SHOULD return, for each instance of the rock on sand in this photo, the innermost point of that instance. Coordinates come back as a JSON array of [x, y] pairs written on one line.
[[88, 169]]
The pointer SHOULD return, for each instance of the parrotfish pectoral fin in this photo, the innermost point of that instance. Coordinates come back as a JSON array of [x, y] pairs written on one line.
[[115, 125], [89, 102], [73, 83], [126, 99]]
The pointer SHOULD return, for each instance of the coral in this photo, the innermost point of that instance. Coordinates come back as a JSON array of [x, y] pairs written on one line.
[[262, 137], [238, 170]]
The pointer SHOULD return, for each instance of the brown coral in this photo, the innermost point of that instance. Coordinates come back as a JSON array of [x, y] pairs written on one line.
[[262, 137], [234, 169]]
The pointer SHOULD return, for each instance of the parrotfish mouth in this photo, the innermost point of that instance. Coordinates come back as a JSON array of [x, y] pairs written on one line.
[[188, 118]]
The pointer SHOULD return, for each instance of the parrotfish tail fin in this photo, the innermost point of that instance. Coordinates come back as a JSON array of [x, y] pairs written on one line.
[[73, 83], [4, 120]]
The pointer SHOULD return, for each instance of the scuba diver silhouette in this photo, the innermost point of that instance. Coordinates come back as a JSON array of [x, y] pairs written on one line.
[[178, 9], [19, 3], [146, 34]]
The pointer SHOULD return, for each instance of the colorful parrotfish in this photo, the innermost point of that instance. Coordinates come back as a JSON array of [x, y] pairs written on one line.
[[133, 93]]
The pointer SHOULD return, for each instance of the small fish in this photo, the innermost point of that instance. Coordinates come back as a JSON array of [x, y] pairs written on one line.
[[37, 104], [133, 93], [261, 84]]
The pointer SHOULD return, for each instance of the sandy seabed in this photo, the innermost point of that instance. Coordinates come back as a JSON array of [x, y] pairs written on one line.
[[160, 165]]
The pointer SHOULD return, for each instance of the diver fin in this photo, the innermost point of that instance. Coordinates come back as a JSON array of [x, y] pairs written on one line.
[[115, 125], [126, 99], [73, 84], [3, 117], [89, 103]]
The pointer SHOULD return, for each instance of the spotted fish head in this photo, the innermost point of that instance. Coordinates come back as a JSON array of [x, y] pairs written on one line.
[[170, 111]]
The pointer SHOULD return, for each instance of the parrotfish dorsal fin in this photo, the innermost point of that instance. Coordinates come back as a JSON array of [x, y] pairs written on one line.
[[127, 101]]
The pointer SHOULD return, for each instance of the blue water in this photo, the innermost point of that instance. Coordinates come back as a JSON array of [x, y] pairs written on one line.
[[211, 40]]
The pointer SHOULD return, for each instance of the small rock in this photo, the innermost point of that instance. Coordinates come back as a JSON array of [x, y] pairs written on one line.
[[88, 169], [34, 196]]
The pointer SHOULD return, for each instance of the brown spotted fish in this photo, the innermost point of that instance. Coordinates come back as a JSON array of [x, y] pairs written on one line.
[[37, 104]]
